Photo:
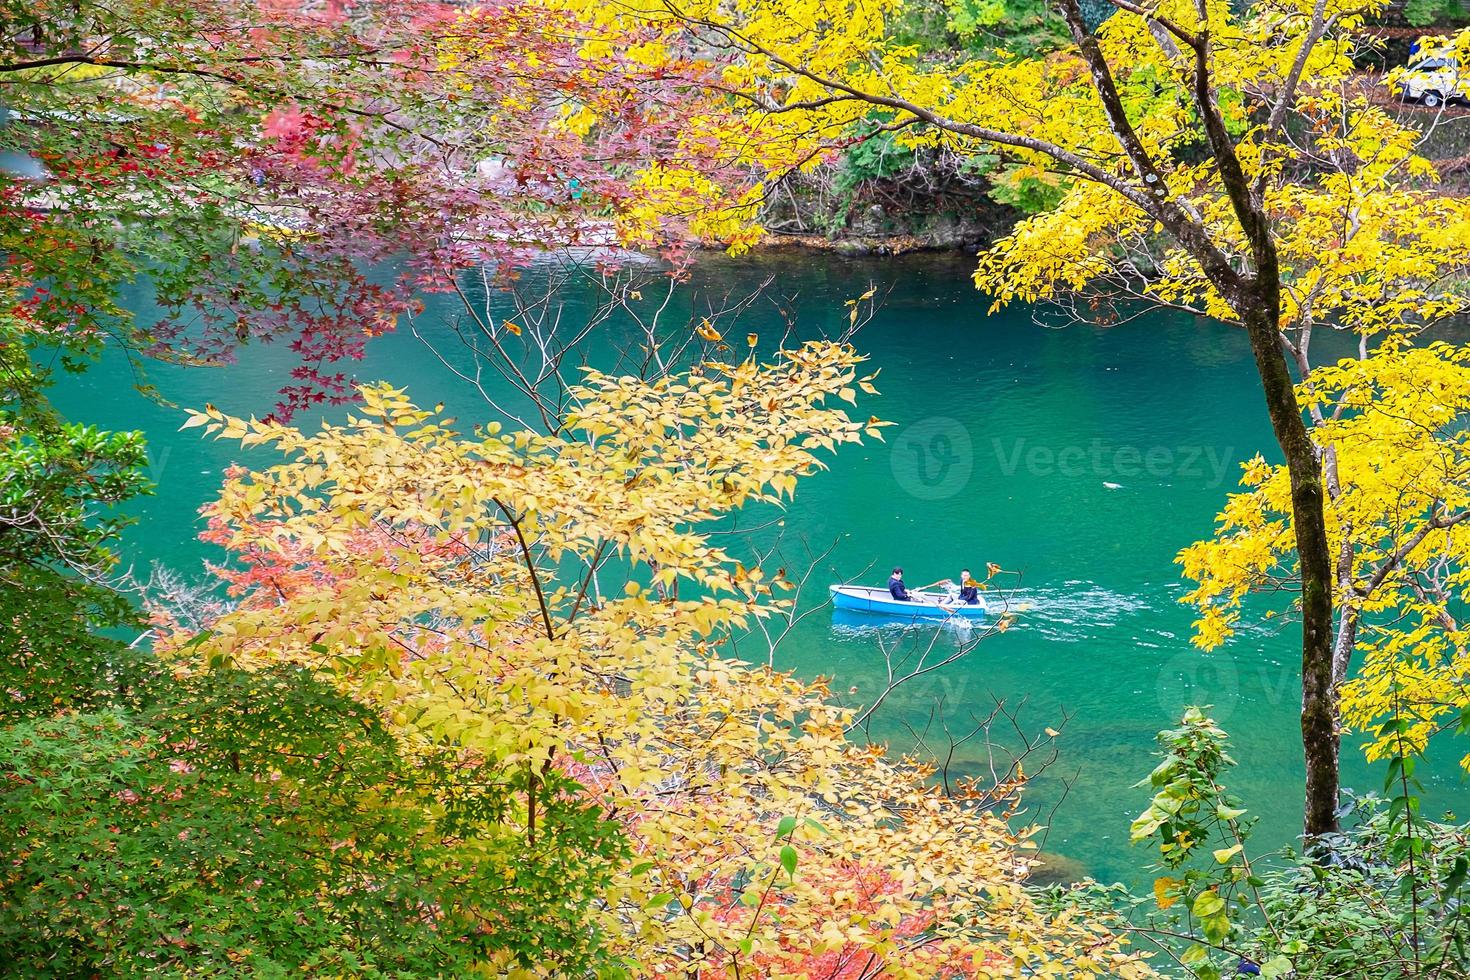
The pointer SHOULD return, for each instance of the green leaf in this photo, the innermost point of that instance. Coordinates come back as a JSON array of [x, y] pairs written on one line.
[[198, 639], [788, 860], [1207, 904], [1455, 878], [1276, 966], [1217, 927], [1194, 954], [786, 827]]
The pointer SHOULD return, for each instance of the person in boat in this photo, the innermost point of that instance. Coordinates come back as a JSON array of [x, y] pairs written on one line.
[[969, 592], [897, 589]]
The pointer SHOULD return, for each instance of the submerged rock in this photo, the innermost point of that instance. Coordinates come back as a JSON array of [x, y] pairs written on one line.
[[1051, 869]]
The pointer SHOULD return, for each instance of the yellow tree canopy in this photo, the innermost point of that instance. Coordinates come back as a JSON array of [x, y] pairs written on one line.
[[1394, 428], [1363, 237]]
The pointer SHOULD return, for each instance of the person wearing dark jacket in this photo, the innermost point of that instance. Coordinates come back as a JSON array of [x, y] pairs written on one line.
[[969, 589], [897, 589]]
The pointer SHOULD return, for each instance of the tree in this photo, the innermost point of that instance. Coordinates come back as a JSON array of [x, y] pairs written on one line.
[[296, 172], [1387, 424], [444, 580], [1392, 426], [1212, 159], [58, 484], [265, 823], [280, 172], [276, 172]]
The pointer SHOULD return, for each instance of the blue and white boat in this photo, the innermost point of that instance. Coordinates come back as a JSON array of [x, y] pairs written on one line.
[[925, 605]]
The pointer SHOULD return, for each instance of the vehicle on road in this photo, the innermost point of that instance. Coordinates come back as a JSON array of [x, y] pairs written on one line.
[[1433, 79]]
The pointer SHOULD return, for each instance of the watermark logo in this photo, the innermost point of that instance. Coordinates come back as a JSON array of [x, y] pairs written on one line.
[[1115, 462], [156, 461], [1191, 678], [933, 458]]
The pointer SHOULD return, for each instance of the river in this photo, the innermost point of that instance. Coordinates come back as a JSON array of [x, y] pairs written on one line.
[[1083, 457]]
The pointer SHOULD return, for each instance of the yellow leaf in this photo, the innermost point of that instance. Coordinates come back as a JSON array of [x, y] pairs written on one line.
[[1164, 893]]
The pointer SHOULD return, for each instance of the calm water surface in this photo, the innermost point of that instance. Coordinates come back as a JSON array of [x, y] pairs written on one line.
[[1081, 457]]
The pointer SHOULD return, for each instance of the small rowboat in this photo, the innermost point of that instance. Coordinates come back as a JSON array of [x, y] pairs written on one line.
[[926, 605]]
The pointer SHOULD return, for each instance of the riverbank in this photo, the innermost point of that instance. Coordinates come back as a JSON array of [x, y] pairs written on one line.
[[856, 247], [880, 199], [918, 204]]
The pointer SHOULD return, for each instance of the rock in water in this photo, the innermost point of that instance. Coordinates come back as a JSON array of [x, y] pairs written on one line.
[[1056, 869]]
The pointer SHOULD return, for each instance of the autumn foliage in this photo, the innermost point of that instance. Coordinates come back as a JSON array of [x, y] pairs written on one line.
[[1393, 429], [469, 704], [552, 609], [299, 173]]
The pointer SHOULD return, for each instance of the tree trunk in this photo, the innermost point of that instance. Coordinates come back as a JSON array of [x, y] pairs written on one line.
[[1257, 298], [1320, 743]]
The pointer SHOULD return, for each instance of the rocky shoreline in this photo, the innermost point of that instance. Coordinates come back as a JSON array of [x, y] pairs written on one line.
[[929, 205], [863, 246]]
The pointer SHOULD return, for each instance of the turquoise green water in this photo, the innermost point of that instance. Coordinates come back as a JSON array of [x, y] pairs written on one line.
[[1082, 457]]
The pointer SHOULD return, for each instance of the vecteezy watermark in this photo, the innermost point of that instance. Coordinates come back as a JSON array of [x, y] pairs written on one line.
[[1224, 680], [1111, 461], [932, 459], [156, 460], [1192, 678]]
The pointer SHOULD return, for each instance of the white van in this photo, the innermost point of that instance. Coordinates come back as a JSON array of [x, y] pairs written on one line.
[[1434, 80]]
